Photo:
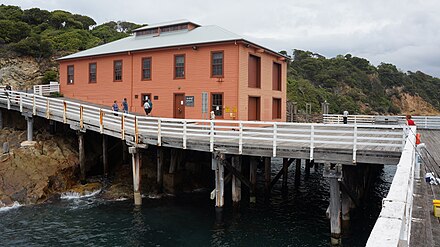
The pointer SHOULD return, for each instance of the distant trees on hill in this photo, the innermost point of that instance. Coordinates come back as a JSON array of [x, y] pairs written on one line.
[[354, 84], [42, 34]]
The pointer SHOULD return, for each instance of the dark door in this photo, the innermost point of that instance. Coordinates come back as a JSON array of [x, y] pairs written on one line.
[[254, 108], [179, 105]]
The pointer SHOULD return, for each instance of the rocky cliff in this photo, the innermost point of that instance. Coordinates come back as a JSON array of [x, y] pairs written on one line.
[[23, 72], [32, 174]]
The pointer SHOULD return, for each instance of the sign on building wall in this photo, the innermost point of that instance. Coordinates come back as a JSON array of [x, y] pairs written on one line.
[[204, 102], [189, 101]]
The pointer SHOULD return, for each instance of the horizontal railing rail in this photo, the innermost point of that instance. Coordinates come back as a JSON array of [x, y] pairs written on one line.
[[423, 122], [189, 133], [393, 227]]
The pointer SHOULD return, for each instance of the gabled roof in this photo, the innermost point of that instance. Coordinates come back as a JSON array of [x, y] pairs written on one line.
[[199, 35]]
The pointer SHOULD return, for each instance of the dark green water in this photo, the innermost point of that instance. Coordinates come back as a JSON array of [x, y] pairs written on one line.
[[189, 220]]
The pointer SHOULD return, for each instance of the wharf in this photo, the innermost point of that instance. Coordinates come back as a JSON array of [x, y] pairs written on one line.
[[425, 229]]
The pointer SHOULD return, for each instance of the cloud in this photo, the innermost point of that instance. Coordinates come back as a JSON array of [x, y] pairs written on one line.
[[403, 32]]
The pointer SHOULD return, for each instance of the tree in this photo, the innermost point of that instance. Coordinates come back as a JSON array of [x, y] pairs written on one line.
[[9, 12], [34, 46], [86, 21], [49, 75], [36, 16], [13, 31]]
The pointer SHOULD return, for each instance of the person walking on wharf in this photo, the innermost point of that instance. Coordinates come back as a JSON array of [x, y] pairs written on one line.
[[148, 106], [115, 107], [125, 105], [409, 121]]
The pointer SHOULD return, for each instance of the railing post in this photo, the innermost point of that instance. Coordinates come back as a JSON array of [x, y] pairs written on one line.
[[21, 102], [81, 122], [211, 137], [123, 126], [240, 138], [274, 144], [136, 138], [101, 121], [312, 140], [47, 109], [64, 111], [184, 134], [159, 132], [34, 108], [41, 90], [354, 142], [9, 101]]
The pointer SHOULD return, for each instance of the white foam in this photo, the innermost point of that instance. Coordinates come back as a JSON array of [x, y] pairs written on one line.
[[121, 199], [75, 195], [4, 208]]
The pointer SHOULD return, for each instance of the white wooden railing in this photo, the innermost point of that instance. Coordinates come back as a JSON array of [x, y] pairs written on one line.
[[47, 89], [209, 134], [423, 122], [393, 227]]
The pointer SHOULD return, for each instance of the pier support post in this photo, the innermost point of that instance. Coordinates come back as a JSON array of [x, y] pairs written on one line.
[[298, 172], [345, 208], [253, 178], [82, 157], [159, 159], [236, 183], [285, 174], [267, 175], [1, 119], [307, 170], [136, 164], [30, 128], [124, 152], [217, 166], [334, 173], [105, 154]]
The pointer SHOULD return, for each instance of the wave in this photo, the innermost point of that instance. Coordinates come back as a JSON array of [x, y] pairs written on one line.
[[75, 195], [4, 208]]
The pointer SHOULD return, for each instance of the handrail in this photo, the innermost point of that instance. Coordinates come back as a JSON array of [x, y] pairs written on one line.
[[422, 122], [47, 89], [394, 223], [275, 136]]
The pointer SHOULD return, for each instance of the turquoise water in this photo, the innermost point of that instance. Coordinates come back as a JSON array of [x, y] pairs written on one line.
[[189, 220]]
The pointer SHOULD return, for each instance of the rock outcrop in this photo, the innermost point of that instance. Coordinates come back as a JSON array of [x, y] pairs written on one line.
[[32, 174], [23, 72]]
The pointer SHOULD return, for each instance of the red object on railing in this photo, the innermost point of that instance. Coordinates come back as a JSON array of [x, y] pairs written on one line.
[[418, 138]]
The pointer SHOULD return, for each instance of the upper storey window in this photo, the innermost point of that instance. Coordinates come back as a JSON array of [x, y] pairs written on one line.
[[117, 70], [146, 68], [179, 66], [276, 76], [254, 72], [70, 74], [217, 64]]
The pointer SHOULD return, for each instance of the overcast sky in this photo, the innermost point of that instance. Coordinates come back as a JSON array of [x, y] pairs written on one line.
[[403, 32]]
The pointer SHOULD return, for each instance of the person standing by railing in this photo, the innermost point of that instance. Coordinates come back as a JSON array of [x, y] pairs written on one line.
[[115, 107], [125, 105], [409, 121]]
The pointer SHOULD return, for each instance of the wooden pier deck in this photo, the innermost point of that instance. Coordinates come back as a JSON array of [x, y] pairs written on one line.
[[335, 143], [425, 229]]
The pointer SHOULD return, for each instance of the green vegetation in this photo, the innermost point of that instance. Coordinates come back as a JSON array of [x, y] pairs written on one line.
[[43, 34], [353, 84]]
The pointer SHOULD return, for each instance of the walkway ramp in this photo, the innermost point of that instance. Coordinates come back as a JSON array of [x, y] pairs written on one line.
[[425, 229]]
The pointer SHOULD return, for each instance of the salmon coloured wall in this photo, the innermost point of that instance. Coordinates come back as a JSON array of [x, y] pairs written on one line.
[[265, 92], [163, 85]]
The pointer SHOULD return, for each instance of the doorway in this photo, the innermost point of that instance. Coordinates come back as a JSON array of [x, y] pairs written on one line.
[[179, 105], [254, 109]]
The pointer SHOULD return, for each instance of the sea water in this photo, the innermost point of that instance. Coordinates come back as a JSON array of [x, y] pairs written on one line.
[[297, 219]]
